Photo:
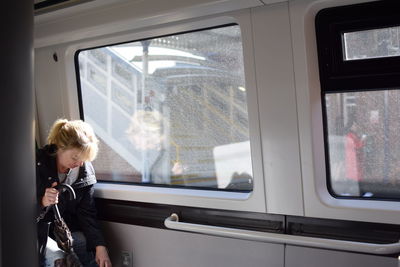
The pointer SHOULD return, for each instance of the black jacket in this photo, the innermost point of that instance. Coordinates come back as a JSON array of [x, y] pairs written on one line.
[[79, 214]]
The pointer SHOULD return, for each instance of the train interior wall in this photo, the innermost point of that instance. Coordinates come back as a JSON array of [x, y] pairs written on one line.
[[280, 69]]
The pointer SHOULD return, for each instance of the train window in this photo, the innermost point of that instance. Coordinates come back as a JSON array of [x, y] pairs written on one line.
[[364, 143], [359, 49], [374, 43], [170, 110]]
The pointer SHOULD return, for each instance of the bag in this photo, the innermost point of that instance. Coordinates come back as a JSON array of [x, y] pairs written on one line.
[[64, 237], [64, 241]]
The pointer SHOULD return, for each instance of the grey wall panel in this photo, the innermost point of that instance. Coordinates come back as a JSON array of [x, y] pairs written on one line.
[[153, 247], [17, 179], [311, 257]]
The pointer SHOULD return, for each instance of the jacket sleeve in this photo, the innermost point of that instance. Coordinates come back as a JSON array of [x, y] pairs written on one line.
[[40, 189], [86, 215]]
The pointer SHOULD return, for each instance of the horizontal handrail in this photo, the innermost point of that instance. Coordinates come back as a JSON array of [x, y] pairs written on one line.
[[172, 222]]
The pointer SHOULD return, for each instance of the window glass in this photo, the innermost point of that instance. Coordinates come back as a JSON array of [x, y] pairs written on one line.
[[364, 143], [375, 43], [170, 110]]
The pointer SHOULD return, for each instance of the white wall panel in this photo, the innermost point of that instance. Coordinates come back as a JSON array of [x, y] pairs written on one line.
[[277, 107], [56, 83], [50, 102], [72, 24], [317, 200]]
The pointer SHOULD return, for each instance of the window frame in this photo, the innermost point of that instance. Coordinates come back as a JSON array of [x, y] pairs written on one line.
[[244, 201], [338, 75], [352, 75]]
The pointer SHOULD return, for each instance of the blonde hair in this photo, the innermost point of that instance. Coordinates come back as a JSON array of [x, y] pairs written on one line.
[[74, 134]]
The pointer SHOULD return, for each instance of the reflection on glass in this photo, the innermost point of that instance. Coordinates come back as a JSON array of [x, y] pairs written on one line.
[[145, 130], [375, 43], [364, 143], [173, 110]]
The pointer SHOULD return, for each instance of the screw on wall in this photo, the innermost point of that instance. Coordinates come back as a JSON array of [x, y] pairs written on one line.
[[126, 259]]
